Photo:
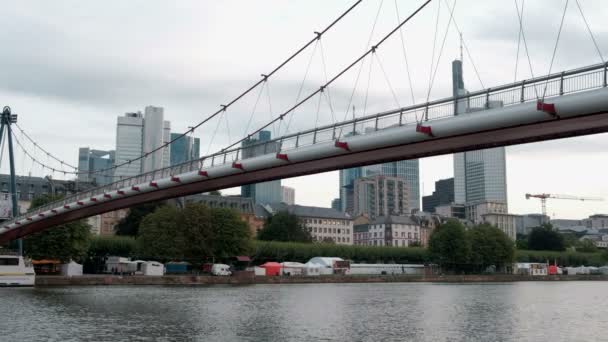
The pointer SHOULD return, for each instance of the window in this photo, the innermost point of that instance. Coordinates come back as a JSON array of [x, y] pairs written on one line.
[[409, 235], [9, 261]]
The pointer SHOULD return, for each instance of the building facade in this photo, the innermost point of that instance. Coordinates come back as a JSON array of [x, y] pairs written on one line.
[[265, 192], [323, 224], [105, 223], [381, 196], [249, 212], [525, 223], [129, 142], [474, 211], [336, 205], [138, 134], [443, 194], [288, 195], [397, 231], [478, 175], [92, 161], [505, 222], [405, 169], [184, 148]]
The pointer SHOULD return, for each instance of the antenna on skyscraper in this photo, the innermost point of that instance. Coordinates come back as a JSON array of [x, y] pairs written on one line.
[[461, 55]]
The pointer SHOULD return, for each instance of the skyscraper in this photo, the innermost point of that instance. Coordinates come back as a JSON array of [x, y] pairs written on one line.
[[478, 175], [266, 192], [90, 161], [137, 134], [129, 142], [184, 149], [157, 132], [443, 194]]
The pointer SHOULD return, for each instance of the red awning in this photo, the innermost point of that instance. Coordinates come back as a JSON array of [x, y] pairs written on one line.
[[243, 258]]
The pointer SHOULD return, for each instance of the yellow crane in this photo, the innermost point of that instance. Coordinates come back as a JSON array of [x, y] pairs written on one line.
[[543, 199]]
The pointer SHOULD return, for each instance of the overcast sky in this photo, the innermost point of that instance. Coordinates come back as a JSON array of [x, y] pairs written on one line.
[[69, 68]]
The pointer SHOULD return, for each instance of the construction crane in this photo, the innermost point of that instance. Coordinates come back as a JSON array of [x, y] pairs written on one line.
[[543, 199]]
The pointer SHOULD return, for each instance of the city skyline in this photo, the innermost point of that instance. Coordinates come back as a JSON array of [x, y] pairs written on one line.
[[571, 166]]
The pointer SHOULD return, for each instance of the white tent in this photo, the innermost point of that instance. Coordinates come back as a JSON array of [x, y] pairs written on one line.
[[312, 269], [292, 268], [153, 268], [71, 269]]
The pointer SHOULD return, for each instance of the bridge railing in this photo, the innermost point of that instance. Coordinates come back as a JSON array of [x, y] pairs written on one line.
[[576, 80]]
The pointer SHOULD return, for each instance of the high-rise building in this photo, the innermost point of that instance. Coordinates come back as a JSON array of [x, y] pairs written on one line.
[[335, 204], [184, 148], [129, 142], [443, 194], [409, 170], [156, 132], [137, 134], [479, 176], [288, 195], [90, 161], [381, 196], [266, 192]]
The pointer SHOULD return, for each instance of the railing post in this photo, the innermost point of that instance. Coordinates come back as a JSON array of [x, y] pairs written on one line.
[[297, 140], [488, 99], [401, 118], [225, 157], [354, 127], [333, 134], [213, 160], [605, 74], [561, 84], [314, 138], [265, 148], [426, 112], [522, 98], [376, 125]]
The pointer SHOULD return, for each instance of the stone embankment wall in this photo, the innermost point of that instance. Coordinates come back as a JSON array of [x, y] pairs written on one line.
[[246, 279]]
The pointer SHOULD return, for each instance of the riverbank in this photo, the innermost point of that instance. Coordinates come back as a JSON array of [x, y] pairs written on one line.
[[95, 280]]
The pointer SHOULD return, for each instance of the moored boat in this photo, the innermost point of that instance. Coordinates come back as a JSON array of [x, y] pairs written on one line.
[[15, 270]]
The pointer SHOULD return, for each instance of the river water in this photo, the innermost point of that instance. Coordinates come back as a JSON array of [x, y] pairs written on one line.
[[527, 311]]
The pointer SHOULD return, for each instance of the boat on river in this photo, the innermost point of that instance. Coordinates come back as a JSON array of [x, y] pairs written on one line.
[[15, 270]]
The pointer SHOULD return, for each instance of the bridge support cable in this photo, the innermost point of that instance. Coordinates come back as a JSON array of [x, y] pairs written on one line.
[[559, 32], [407, 66], [304, 79], [327, 91], [235, 99], [36, 145], [255, 105], [520, 17], [434, 72], [388, 81], [519, 30], [597, 48], [339, 74], [369, 81]]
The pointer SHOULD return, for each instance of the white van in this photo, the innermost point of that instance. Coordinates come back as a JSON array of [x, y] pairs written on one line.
[[221, 270]]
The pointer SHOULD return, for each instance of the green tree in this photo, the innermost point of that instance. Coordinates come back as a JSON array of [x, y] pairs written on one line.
[[449, 246], [65, 242], [585, 246], [490, 246], [129, 225], [286, 227], [231, 236], [193, 233], [521, 242], [161, 235], [545, 238]]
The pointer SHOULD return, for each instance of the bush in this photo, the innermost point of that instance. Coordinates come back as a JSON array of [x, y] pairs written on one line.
[[566, 258], [302, 252]]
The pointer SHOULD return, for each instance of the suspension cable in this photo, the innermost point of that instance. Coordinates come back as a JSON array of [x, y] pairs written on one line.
[[231, 102], [523, 37], [597, 48], [36, 145], [407, 68], [559, 32], [346, 69], [447, 29], [518, 42]]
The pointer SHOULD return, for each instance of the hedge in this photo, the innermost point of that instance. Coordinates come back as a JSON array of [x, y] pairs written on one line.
[[566, 258], [302, 252]]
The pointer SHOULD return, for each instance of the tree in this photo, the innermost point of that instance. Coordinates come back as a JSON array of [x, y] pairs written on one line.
[[286, 227], [160, 235], [129, 225], [215, 193], [586, 246], [545, 238], [193, 233], [449, 246], [490, 246], [65, 242]]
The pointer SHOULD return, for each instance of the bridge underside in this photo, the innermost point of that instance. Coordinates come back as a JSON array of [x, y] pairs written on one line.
[[548, 130]]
